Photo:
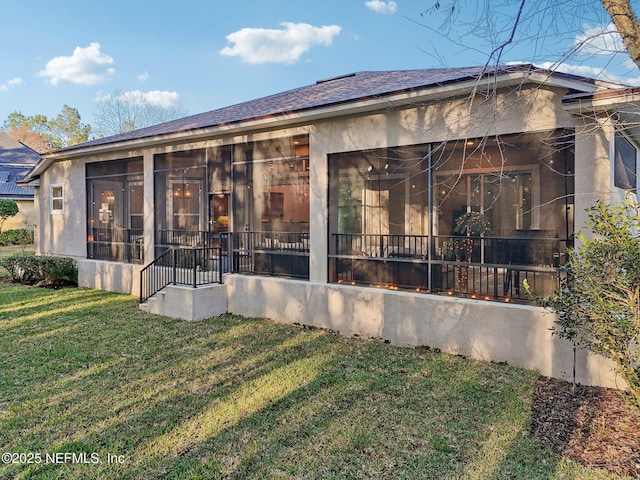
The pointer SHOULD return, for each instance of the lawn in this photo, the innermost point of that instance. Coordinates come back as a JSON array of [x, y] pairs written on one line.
[[131, 395]]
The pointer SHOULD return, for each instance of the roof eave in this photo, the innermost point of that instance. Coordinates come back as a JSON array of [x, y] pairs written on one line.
[[350, 107], [603, 103]]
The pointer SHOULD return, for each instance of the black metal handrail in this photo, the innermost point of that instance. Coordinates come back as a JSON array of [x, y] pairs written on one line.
[[182, 266], [116, 244]]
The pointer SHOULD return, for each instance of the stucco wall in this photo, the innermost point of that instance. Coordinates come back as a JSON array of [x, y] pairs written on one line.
[[110, 276], [64, 233], [593, 179], [517, 334]]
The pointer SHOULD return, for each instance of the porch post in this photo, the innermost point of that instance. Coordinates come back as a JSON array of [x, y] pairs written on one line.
[[148, 244], [430, 226]]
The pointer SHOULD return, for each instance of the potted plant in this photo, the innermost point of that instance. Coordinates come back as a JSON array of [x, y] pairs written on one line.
[[468, 226]]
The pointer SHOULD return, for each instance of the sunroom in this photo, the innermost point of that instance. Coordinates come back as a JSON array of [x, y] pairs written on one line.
[[247, 202], [473, 217]]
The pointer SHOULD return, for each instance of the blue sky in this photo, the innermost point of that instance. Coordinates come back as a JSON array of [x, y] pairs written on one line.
[[202, 55]]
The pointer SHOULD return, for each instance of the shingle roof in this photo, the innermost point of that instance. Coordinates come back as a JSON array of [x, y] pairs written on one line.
[[15, 161], [14, 153], [339, 90], [8, 186]]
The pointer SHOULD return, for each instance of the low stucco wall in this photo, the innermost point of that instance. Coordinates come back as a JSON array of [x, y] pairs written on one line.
[[517, 334], [111, 276]]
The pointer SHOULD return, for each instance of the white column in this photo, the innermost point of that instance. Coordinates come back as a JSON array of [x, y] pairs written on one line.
[[149, 208]]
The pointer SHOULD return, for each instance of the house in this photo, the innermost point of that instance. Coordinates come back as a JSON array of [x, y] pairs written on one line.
[[404, 205], [16, 160]]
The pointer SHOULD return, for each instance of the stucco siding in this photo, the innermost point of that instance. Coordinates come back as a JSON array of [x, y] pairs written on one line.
[[517, 334]]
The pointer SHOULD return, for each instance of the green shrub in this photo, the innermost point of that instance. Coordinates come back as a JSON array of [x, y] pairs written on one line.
[[43, 271], [598, 306], [20, 236], [8, 209]]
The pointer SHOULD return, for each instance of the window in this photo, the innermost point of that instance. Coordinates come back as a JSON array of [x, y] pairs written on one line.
[[272, 185], [57, 198], [399, 216], [180, 199], [624, 163], [115, 207]]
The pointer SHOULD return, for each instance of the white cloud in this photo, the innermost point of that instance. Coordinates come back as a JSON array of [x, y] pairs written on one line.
[[13, 82], [157, 98], [260, 45], [87, 66], [379, 6], [591, 72], [143, 76], [162, 98], [600, 40]]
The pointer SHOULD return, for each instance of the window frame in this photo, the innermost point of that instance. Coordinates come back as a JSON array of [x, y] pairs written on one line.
[[53, 198], [619, 177]]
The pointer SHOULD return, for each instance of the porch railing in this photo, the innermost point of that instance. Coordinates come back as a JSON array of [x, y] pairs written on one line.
[[116, 244], [487, 267], [271, 253], [166, 239], [182, 266]]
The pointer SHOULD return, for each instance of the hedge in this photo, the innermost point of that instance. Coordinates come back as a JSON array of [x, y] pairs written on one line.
[[20, 236], [44, 271]]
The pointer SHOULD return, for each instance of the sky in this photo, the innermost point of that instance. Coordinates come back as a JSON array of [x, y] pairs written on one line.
[[203, 55]]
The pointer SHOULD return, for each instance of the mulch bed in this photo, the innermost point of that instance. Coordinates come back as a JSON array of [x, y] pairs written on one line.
[[594, 426]]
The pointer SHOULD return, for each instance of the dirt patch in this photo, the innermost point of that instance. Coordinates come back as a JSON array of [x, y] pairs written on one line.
[[594, 426]]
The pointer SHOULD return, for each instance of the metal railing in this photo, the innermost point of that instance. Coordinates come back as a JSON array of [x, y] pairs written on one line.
[[189, 238], [182, 266], [116, 244], [271, 253], [484, 267]]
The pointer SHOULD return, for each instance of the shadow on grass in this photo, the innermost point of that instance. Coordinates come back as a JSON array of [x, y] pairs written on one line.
[[243, 398]]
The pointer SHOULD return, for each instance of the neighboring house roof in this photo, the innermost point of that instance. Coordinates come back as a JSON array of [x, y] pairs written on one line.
[[16, 160]]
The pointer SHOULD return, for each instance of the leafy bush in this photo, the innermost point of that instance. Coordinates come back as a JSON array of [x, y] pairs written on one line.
[[43, 271], [8, 209], [598, 304], [20, 236]]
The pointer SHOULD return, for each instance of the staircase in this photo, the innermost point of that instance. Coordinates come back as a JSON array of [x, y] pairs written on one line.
[[191, 267]]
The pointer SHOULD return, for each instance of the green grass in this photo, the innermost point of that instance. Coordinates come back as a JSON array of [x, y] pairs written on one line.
[[83, 371], [8, 250]]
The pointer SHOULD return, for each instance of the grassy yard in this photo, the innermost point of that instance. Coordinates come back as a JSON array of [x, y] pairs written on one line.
[[8, 250], [141, 396]]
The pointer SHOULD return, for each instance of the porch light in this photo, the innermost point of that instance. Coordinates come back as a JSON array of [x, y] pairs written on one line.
[[470, 143]]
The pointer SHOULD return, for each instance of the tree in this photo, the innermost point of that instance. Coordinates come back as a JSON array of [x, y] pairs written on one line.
[[550, 31], [626, 21], [122, 112], [67, 130], [31, 131], [8, 209], [42, 134], [598, 306]]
